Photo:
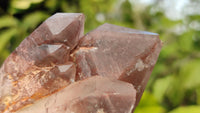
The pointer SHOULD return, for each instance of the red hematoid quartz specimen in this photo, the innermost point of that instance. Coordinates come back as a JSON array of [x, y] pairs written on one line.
[[58, 70]]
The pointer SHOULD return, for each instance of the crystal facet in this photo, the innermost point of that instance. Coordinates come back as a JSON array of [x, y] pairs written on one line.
[[93, 95]]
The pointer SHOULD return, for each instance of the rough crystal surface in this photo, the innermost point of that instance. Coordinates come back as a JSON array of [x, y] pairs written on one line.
[[40, 65], [93, 95], [119, 53]]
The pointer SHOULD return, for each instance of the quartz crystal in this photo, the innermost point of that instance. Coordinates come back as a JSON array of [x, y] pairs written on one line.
[[40, 65], [57, 69], [119, 53], [93, 95]]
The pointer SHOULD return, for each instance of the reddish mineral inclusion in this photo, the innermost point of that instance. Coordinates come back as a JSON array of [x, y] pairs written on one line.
[[58, 70]]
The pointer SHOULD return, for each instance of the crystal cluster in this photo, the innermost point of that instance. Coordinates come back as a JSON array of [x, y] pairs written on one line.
[[57, 69]]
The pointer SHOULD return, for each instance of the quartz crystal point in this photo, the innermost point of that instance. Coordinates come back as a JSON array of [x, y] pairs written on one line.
[[93, 95], [120, 53], [40, 66]]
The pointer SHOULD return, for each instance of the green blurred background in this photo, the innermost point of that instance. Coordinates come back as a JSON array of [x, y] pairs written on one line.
[[174, 86]]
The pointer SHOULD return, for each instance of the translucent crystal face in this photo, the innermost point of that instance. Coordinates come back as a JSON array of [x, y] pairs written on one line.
[[58, 70], [60, 21], [94, 95]]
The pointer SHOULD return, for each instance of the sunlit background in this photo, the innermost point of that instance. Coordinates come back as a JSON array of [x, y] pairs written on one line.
[[174, 86]]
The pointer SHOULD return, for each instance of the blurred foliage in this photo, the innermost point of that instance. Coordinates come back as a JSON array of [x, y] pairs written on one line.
[[174, 86]]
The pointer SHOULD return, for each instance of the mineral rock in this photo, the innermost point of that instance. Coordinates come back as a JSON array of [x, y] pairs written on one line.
[[40, 66], [93, 95], [119, 53], [58, 70]]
